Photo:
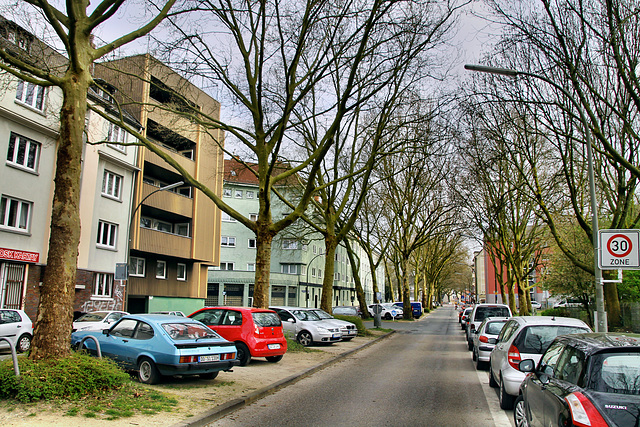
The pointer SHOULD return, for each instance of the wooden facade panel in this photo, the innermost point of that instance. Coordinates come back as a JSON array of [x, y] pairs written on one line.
[[167, 244], [189, 165], [167, 201]]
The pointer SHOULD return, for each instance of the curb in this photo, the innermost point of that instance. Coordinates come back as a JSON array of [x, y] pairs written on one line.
[[235, 404]]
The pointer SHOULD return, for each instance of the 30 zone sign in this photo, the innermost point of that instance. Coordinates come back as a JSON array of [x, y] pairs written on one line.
[[619, 249]]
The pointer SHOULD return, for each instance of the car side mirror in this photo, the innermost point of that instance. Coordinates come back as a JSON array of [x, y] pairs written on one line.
[[105, 331], [291, 320], [527, 365]]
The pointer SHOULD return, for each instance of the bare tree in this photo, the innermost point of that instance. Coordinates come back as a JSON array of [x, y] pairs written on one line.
[[74, 30]]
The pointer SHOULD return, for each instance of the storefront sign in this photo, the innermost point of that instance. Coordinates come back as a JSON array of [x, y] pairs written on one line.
[[16, 255]]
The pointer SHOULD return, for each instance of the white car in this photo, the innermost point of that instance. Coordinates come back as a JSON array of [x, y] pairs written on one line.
[[524, 337], [16, 326], [348, 329], [97, 320], [388, 310], [306, 326], [170, 313], [536, 305]]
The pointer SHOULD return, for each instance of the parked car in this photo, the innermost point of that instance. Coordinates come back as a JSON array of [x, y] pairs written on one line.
[[158, 344], [97, 320], [465, 317], [583, 380], [16, 326], [347, 329], [535, 305], [388, 311], [485, 339], [479, 313], [568, 302], [524, 337], [306, 326], [170, 313], [347, 310], [416, 308], [256, 332]]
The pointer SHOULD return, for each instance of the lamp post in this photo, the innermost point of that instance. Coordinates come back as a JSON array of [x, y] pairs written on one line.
[[306, 297], [601, 324], [133, 214]]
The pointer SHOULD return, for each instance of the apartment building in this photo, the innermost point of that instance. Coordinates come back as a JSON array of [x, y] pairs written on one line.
[[175, 234], [297, 255], [29, 123]]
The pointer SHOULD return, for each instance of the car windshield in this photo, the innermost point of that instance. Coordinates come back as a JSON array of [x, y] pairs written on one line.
[[266, 319], [616, 373], [536, 339], [323, 314], [494, 328], [188, 331], [484, 312], [345, 310], [305, 315], [98, 316]]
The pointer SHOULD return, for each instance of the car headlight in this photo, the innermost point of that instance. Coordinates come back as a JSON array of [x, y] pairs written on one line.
[[323, 330]]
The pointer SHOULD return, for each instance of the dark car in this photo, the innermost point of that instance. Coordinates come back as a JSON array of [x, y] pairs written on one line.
[[256, 332], [416, 308], [583, 380]]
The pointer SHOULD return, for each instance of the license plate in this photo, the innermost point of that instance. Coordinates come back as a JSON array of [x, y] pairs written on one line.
[[273, 346], [337, 335], [210, 358]]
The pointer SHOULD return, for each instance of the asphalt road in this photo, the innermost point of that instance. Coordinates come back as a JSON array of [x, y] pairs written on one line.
[[421, 376]]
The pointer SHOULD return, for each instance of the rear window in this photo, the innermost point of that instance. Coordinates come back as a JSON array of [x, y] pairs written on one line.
[[484, 312], [188, 331], [536, 339], [266, 319], [616, 373], [494, 328]]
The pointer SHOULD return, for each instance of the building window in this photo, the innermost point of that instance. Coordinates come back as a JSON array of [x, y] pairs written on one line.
[[136, 267], [23, 152], [103, 285], [289, 244], [182, 229], [182, 272], [107, 234], [290, 268], [111, 185], [117, 137], [319, 273], [226, 266], [313, 272], [161, 269], [228, 242], [15, 214], [226, 192], [252, 243], [227, 218], [31, 95], [249, 194], [336, 276], [314, 249], [251, 267], [238, 194], [253, 217], [185, 191]]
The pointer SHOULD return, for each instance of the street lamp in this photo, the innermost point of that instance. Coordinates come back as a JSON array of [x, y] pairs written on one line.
[[601, 324], [306, 297]]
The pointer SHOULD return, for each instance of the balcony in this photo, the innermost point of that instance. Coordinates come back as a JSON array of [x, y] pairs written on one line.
[[168, 201], [188, 164], [168, 244]]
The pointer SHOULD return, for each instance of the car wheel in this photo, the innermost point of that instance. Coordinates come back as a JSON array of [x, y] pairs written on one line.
[[243, 354], [480, 366], [274, 359], [209, 375], [387, 316], [147, 371], [492, 382], [305, 338], [506, 400], [519, 413], [470, 345], [473, 355], [24, 343]]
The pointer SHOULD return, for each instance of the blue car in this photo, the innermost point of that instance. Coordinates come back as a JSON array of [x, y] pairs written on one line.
[[416, 308], [158, 344]]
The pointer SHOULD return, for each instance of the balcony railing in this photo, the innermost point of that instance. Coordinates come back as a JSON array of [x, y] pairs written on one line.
[[164, 243]]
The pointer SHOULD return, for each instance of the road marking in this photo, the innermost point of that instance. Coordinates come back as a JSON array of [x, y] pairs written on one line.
[[500, 418]]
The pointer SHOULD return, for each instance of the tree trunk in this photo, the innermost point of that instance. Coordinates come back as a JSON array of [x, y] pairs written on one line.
[[355, 271], [52, 331], [264, 238], [330, 245], [612, 301]]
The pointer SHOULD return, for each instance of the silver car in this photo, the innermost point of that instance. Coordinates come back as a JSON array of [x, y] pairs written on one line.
[[306, 326], [15, 326], [525, 337], [348, 329], [485, 339]]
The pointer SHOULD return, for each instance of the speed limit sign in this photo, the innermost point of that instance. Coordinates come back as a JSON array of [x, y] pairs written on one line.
[[619, 249]]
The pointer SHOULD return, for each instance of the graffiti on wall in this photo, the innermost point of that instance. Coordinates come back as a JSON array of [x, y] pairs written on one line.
[[115, 303]]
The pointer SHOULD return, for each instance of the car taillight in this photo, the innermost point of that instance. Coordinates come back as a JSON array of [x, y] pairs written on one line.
[[483, 338], [583, 413], [227, 356], [188, 359], [513, 356]]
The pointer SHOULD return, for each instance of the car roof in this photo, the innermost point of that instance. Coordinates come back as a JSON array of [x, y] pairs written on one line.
[[596, 342], [160, 318], [238, 308], [549, 320]]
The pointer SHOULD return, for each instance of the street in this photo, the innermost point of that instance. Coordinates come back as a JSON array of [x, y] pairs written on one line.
[[423, 375]]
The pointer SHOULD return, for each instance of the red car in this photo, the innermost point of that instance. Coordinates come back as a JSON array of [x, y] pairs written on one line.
[[257, 332]]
